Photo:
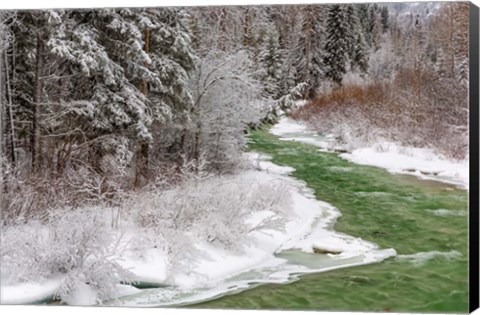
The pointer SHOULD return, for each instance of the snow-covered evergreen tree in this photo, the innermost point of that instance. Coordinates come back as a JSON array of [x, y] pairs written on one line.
[[336, 46], [360, 54], [271, 63], [287, 21], [368, 17], [309, 54], [373, 27], [385, 19]]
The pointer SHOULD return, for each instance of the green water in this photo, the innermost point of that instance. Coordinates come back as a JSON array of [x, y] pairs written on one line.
[[390, 210]]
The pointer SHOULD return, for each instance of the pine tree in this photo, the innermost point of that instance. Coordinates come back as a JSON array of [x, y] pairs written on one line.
[[384, 19], [360, 58], [352, 30], [271, 62], [373, 29], [287, 21], [309, 59], [368, 19], [336, 46], [113, 72], [29, 71]]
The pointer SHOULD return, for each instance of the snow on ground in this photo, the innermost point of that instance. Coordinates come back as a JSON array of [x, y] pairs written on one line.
[[290, 130], [45, 291], [28, 293], [421, 162], [149, 269]]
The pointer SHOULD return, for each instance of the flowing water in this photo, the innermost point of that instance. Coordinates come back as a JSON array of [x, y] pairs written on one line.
[[424, 221]]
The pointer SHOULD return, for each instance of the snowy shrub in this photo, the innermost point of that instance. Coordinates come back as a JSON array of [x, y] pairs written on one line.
[[17, 199], [213, 209], [24, 253], [76, 245], [359, 116]]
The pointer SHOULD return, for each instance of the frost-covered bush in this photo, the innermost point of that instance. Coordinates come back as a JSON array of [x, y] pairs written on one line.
[[213, 209], [77, 246], [432, 114], [32, 198]]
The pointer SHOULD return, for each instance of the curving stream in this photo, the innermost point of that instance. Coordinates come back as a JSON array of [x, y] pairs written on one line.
[[424, 221]]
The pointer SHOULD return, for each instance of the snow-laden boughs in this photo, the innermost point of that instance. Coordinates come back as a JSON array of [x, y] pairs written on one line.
[[309, 51], [224, 90], [271, 65], [78, 247], [172, 59], [336, 46], [213, 209], [98, 74]]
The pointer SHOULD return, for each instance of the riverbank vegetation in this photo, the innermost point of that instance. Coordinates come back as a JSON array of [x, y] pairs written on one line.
[[414, 93]]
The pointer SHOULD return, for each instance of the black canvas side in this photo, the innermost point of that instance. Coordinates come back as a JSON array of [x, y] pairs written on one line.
[[474, 160]]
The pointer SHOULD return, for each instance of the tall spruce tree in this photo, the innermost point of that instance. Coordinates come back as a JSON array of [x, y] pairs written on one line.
[[271, 62], [360, 54], [384, 18], [336, 46], [373, 27], [309, 59]]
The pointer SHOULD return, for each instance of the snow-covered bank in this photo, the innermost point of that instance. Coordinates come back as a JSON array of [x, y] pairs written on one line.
[[421, 162], [287, 244], [29, 293], [272, 256]]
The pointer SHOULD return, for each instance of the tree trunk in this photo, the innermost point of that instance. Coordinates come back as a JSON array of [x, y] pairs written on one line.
[[181, 151], [141, 158], [223, 28], [196, 154], [36, 124], [246, 28], [11, 121], [308, 52]]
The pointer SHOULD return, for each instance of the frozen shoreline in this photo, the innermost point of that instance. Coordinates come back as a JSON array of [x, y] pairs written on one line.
[[308, 226], [421, 162]]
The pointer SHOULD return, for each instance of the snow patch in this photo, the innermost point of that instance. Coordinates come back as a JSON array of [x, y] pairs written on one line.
[[30, 293], [421, 162], [84, 295], [287, 126], [151, 268]]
